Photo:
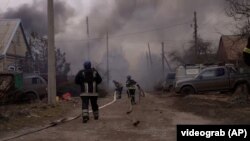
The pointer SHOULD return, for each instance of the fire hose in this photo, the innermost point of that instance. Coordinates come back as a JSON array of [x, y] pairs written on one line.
[[135, 121], [55, 123], [141, 94]]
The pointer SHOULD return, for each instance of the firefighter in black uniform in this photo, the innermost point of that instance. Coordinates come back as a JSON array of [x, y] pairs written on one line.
[[88, 79], [131, 86]]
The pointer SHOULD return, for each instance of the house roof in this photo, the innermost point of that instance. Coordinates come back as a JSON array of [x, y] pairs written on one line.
[[8, 28], [233, 46]]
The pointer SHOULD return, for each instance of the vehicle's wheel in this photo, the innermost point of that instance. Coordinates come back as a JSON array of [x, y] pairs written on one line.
[[30, 97], [171, 89], [241, 88], [187, 90]]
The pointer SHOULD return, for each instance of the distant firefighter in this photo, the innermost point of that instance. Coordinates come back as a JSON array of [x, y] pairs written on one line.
[[118, 89], [88, 79], [131, 86]]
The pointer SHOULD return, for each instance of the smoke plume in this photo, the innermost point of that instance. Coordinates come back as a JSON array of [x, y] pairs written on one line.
[[131, 25], [34, 16]]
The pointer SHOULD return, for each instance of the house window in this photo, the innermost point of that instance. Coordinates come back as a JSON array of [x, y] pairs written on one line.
[[19, 69], [11, 68]]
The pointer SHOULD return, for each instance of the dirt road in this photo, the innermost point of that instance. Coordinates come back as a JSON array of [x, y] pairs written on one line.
[[157, 123]]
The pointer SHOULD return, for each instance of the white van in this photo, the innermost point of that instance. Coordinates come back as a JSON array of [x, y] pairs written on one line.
[[191, 70], [188, 71]]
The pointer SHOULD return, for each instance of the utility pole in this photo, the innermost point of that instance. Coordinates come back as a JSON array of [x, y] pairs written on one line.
[[167, 63], [150, 56], [87, 23], [51, 55], [108, 59], [147, 59], [163, 68], [196, 36]]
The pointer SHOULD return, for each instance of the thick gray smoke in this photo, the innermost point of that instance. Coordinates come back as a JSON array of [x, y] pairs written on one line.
[[34, 16], [131, 25], [115, 16], [113, 21]]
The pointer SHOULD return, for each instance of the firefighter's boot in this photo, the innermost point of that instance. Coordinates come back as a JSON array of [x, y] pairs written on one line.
[[96, 115], [85, 119], [133, 100], [85, 116]]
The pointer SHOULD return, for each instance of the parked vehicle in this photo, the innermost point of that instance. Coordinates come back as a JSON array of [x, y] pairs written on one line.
[[191, 70], [34, 85], [188, 71], [220, 78], [16, 87], [168, 84]]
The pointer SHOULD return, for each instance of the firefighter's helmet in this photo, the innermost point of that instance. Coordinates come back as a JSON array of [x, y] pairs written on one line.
[[128, 77], [87, 65]]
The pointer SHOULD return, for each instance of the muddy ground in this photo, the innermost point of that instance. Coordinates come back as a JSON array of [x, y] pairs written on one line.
[[24, 116], [157, 113]]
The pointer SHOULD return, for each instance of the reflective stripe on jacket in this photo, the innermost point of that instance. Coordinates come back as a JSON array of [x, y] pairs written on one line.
[[86, 85], [130, 84], [88, 80], [246, 50]]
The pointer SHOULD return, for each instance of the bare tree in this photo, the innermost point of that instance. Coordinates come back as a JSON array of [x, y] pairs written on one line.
[[62, 67], [190, 56], [240, 11], [37, 59]]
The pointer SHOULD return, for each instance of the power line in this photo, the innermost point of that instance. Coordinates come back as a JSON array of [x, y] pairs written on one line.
[[126, 34], [151, 30]]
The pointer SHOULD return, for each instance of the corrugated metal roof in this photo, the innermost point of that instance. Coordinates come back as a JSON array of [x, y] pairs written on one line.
[[233, 46], [8, 28]]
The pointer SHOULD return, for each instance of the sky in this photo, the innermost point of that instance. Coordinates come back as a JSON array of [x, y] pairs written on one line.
[[131, 26]]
